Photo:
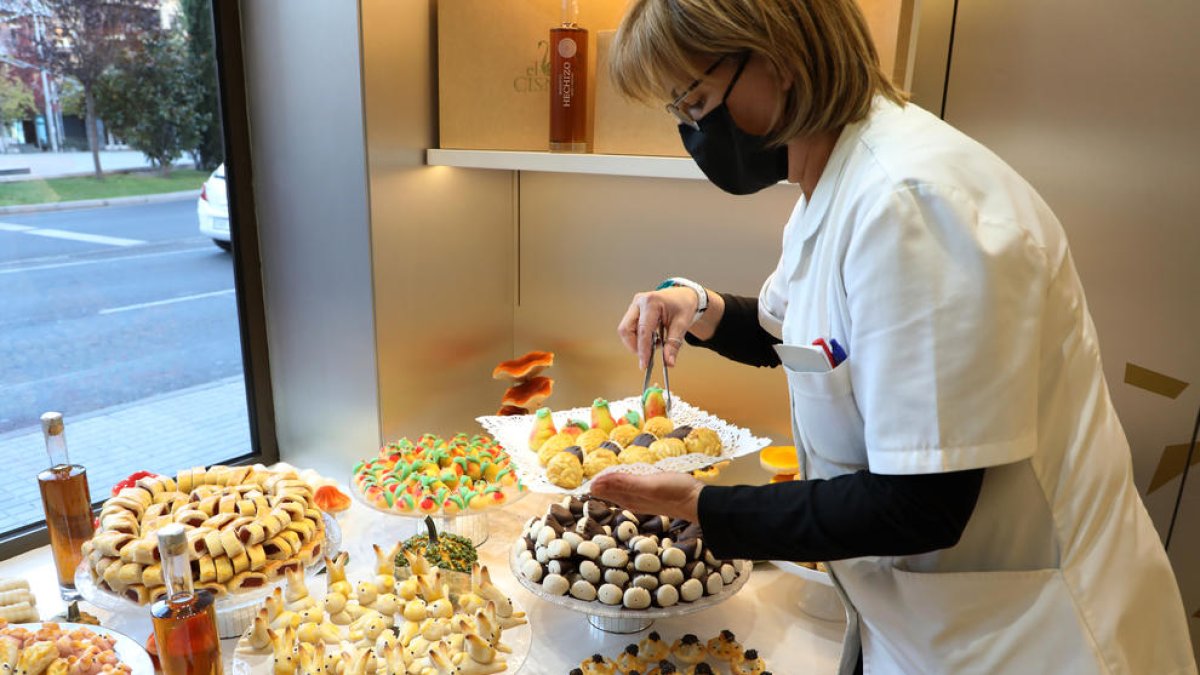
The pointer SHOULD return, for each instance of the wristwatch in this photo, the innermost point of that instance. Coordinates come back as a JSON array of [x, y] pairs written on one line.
[[701, 294]]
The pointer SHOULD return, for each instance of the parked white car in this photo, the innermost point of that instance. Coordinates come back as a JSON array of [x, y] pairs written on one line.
[[213, 209]]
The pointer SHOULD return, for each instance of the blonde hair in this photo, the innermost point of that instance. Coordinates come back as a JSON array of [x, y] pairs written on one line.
[[823, 45]]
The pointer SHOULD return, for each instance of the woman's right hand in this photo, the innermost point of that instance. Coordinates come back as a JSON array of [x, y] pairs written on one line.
[[671, 307]]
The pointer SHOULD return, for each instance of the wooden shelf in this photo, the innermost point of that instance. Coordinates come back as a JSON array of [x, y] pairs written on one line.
[[562, 162]]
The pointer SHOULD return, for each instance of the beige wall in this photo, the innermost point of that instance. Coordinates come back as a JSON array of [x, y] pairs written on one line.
[[1093, 104]]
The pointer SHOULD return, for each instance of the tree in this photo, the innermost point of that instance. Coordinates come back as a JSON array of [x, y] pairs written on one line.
[[16, 101], [150, 100], [83, 39], [197, 21]]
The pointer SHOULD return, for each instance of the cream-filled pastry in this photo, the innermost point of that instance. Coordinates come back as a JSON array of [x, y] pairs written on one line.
[[689, 649], [749, 663], [663, 668], [628, 661], [724, 646], [598, 665], [653, 649]]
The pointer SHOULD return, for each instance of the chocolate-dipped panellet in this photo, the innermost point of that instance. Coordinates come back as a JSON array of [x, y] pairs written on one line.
[[680, 432], [695, 570], [626, 530], [589, 528], [562, 567], [692, 548], [623, 516], [530, 544], [559, 514], [609, 445], [594, 508], [578, 452], [554, 526], [576, 504], [655, 525], [677, 526], [643, 440]]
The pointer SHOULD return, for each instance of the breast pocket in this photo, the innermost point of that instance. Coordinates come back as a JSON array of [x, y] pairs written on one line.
[[827, 421]]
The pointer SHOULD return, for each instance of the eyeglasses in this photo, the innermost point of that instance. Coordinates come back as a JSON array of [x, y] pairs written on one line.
[[675, 107]]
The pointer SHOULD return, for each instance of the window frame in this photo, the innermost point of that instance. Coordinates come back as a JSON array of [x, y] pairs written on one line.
[[247, 277]]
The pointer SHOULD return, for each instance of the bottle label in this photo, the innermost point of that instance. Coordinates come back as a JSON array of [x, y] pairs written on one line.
[[567, 48]]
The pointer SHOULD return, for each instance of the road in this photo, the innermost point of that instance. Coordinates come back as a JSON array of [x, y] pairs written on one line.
[[100, 307]]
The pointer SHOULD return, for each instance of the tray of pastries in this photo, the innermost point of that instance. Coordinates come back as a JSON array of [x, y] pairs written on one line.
[[437, 476], [562, 451], [589, 555], [247, 528], [417, 622], [687, 655]]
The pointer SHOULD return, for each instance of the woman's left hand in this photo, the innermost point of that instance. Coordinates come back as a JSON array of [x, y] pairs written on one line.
[[676, 495]]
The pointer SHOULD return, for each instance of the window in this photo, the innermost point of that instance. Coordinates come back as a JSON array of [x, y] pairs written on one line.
[[119, 271]]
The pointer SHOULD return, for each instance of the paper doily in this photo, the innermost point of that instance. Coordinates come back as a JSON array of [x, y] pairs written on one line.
[[512, 432]]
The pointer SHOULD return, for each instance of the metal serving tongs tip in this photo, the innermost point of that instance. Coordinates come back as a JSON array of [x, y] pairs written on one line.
[[659, 342]]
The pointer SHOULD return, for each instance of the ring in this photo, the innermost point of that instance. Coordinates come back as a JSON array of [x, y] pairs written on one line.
[[675, 339]]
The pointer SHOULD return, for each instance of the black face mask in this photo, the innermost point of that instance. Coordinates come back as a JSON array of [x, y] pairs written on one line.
[[735, 161]]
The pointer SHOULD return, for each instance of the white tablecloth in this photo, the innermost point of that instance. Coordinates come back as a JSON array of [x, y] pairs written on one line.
[[764, 615]]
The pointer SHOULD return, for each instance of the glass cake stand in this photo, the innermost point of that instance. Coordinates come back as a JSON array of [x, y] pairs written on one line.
[[613, 619], [471, 524], [520, 639], [235, 611]]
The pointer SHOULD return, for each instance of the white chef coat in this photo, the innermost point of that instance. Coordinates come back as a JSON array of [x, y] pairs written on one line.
[[948, 282]]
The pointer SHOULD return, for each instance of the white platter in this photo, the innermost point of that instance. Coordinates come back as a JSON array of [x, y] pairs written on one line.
[[512, 432], [520, 639], [129, 651], [616, 619]]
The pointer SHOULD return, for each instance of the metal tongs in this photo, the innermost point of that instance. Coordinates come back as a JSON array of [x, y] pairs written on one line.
[[659, 341]]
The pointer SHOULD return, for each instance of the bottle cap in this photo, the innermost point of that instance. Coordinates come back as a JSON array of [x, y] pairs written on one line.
[[52, 423], [172, 540]]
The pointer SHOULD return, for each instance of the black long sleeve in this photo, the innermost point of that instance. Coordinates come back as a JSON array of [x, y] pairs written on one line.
[[855, 515], [739, 337]]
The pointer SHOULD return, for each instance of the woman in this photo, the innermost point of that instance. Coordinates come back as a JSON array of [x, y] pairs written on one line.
[[968, 478]]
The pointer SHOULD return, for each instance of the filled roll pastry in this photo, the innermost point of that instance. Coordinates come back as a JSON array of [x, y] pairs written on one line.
[[231, 542], [224, 569], [227, 504], [123, 522], [252, 533], [112, 578], [209, 505], [295, 509], [241, 563], [111, 543], [137, 593], [144, 550], [152, 576], [197, 546], [275, 522], [207, 570], [212, 543], [220, 521], [236, 475], [156, 511], [258, 557], [246, 581], [311, 552], [278, 548], [155, 485], [191, 517], [217, 590], [305, 528], [130, 573], [137, 495]]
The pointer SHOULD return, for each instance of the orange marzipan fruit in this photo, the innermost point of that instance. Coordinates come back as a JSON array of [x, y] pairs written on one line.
[[779, 459]]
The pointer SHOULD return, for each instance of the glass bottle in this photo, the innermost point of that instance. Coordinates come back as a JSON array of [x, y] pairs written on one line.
[[67, 504], [185, 620], [568, 82]]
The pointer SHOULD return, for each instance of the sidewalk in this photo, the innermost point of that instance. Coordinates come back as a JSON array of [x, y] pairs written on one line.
[[59, 164], [193, 427]]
